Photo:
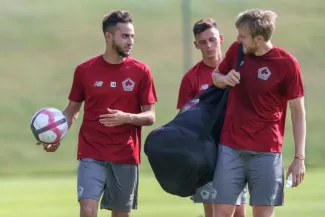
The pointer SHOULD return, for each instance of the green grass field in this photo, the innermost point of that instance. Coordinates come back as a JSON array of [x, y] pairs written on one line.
[[56, 197], [41, 43]]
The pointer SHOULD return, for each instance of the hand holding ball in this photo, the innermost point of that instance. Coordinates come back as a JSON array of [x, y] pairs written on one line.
[[49, 126]]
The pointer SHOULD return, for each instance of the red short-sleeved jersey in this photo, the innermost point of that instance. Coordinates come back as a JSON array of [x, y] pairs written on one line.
[[256, 112], [194, 82], [126, 87]]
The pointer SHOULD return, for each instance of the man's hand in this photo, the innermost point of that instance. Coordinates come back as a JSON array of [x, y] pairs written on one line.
[[49, 147], [114, 118], [232, 78], [297, 168]]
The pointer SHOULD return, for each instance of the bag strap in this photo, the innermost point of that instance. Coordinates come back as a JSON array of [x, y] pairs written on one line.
[[240, 58], [209, 126]]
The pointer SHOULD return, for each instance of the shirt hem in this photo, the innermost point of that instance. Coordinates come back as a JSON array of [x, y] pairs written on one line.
[[133, 162], [251, 149]]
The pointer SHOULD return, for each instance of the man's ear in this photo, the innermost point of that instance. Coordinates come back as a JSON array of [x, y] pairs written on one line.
[[196, 45], [221, 38], [108, 36], [259, 38]]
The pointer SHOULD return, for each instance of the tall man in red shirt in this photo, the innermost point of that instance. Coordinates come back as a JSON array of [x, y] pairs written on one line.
[[208, 40], [252, 135], [119, 96]]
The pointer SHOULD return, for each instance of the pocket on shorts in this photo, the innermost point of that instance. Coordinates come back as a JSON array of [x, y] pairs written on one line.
[[228, 151]]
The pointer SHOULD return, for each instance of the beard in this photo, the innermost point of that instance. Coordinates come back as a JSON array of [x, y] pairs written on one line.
[[250, 49], [119, 50]]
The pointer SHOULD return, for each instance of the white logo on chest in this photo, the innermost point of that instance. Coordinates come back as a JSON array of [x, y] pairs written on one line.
[[113, 84], [264, 73], [98, 83], [204, 86], [128, 84]]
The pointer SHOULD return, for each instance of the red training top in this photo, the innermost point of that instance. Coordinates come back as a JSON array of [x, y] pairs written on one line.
[[126, 87], [194, 82], [256, 112]]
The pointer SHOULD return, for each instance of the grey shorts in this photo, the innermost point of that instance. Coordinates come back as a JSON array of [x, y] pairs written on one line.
[[208, 194], [115, 184], [262, 171]]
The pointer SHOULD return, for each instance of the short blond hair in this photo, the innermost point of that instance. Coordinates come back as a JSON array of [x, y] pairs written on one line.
[[258, 21]]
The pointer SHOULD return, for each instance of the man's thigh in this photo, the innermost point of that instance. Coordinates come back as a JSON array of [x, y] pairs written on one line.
[[266, 179], [121, 193], [91, 179], [229, 177]]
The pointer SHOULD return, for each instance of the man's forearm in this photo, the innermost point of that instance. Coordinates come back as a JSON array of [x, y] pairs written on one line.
[[71, 118], [218, 79], [71, 112], [299, 132], [146, 118]]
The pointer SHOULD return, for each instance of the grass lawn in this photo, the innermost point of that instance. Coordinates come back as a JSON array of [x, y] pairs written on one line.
[[56, 197]]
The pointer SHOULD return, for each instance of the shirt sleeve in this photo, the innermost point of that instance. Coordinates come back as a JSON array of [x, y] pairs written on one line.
[[227, 63], [147, 93], [293, 85], [185, 92], [77, 92]]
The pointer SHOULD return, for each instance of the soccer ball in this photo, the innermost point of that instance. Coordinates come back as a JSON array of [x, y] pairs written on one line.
[[49, 125]]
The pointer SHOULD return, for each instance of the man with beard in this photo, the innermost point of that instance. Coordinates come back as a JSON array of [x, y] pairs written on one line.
[[119, 96], [208, 40], [250, 150]]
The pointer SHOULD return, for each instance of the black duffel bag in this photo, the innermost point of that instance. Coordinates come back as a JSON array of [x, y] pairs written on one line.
[[183, 152]]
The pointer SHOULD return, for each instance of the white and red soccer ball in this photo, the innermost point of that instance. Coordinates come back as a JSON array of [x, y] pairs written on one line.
[[49, 125]]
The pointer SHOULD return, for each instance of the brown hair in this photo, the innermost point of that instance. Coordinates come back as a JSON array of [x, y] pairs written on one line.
[[113, 18], [259, 22], [204, 24]]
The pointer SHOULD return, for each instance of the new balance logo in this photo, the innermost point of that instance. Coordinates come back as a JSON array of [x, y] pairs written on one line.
[[98, 84], [204, 86]]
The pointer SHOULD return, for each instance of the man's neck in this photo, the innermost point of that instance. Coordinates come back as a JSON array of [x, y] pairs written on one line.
[[213, 62], [112, 57], [266, 47]]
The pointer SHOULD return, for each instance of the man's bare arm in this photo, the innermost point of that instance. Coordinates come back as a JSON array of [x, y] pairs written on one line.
[[223, 81], [71, 112], [298, 118], [146, 118], [218, 79]]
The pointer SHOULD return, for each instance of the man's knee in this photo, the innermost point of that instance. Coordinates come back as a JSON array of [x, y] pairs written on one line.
[[88, 207], [240, 211], [223, 210], [116, 213], [263, 211]]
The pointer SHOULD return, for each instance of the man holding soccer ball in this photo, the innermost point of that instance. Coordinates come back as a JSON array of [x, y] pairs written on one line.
[[119, 96]]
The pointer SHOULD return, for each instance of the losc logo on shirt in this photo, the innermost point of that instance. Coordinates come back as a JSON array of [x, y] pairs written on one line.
[[264, 73], [128, 84]]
